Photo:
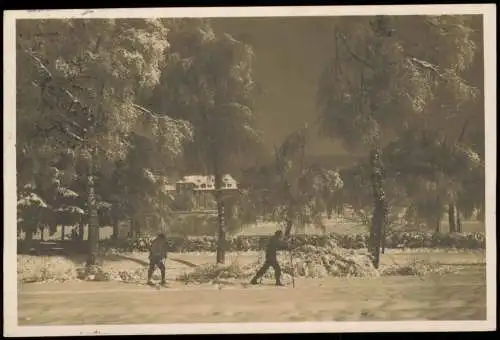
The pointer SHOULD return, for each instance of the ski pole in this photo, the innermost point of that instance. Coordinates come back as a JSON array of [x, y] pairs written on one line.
[[291, 263]]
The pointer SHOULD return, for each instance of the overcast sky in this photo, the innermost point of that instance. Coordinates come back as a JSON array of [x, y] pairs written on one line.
[[290, 56]]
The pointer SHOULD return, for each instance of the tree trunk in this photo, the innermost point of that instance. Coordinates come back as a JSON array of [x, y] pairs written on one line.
[[329, 212], [221, 227], [458, 225], [438, 224], [289, 224], [28, 239], [371, 238], [383, 239], [63, 230], [116, 230], [29, 236], [451, 218], [459, 222], [481, 214], [93, 221], [81, 230], [379, 217], [132, 228]]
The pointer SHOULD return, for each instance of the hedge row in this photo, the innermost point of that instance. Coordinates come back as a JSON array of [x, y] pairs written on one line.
[[258, 242]]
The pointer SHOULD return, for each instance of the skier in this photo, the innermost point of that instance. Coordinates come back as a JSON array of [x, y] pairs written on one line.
[[157, 257], [275, 244]]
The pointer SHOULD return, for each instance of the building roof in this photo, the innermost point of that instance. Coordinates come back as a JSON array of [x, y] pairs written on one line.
[[170, 187], [202, 182]]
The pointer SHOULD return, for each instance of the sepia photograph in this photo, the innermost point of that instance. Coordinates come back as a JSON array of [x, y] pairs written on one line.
[[243, 170]]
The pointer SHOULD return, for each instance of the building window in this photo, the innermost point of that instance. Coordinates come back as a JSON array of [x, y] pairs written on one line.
[[229, 185], [203, 186]]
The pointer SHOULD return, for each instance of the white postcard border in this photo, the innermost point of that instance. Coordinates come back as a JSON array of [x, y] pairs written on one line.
[[10, 282]]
